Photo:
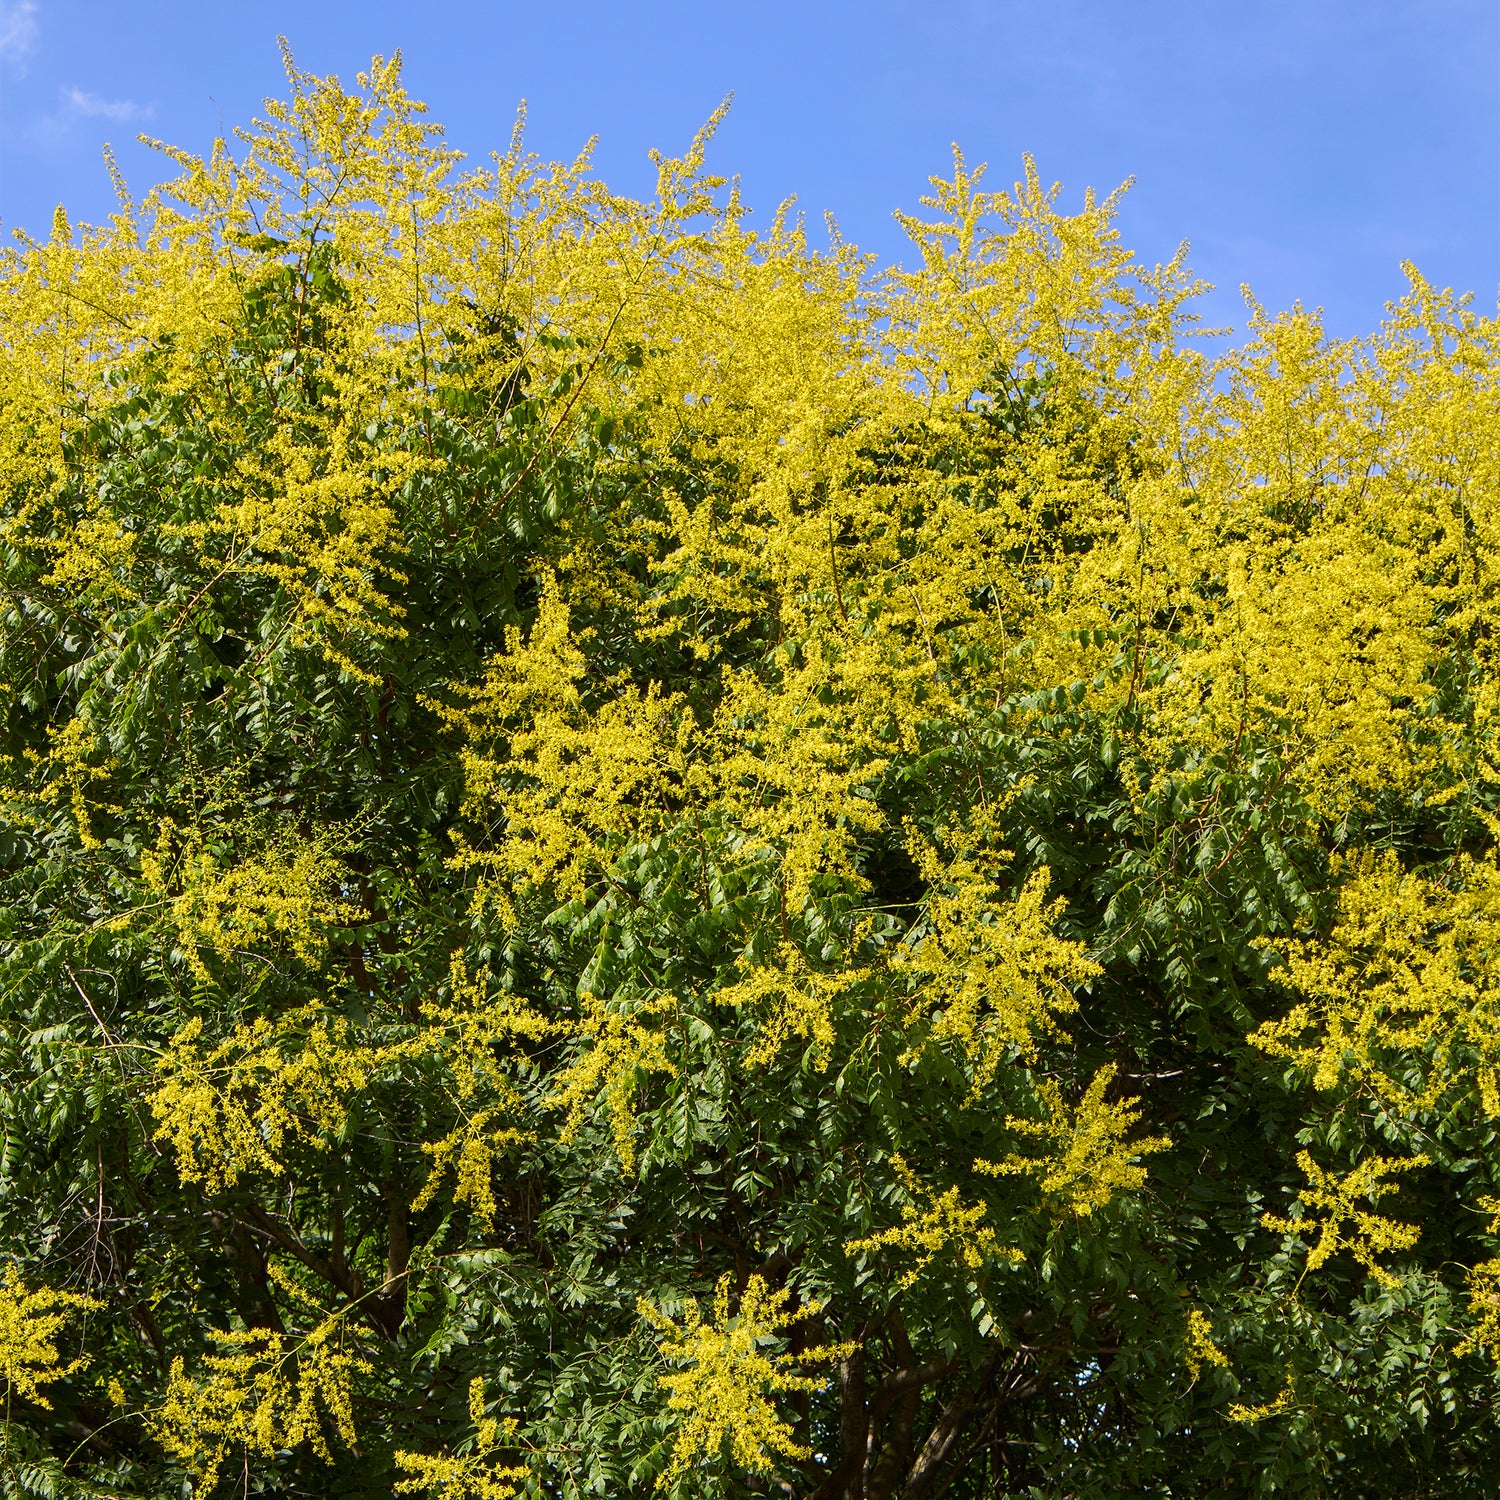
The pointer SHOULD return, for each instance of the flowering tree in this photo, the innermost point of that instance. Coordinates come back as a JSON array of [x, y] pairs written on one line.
[[640, 859]]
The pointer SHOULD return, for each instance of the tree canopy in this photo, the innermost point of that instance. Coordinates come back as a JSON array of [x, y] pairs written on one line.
[[640, 858]]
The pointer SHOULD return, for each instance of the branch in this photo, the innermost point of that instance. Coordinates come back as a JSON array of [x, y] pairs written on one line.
[[348, 1283], [383, 1308], [905, 1380], [945, 1433], [546, 443], [846, 1478]]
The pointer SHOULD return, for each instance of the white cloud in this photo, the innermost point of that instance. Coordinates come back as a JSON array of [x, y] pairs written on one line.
[[78, 102], [17, 30]]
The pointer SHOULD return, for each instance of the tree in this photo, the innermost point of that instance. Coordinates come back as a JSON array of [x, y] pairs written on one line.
[[642, 859]]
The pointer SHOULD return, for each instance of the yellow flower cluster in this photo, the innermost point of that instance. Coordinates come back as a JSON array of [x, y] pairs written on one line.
[[790, 999], [1404, 995], [569, 780], [474, 1032], [1484, 1308], [1484, 1294], [727, 1389], [1091, 1160], [474, 1476], [992, 977], [261, 1393], [29, 1324], [1342, 1223], [72, 764], [947, 1226], [232, 1108], [620, 1047], [1283, 1400], [283, 894], [1199, 1348]]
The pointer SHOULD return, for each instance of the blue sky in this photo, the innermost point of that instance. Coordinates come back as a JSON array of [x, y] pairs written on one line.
[[1304, 146]]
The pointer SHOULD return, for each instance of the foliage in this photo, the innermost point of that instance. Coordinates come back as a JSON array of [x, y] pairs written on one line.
[[568, 761]]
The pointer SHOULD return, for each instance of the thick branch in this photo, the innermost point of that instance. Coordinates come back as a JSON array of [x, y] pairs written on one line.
[[397, 1256], [903, 1392], [888, 1466], [347, 1282], [918, 1375], [946, 1432]]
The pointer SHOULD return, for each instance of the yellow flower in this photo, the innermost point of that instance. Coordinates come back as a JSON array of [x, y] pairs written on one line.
[[726, 1392], [947, 1226], [263, 1391], [475, 1476], [1198, 1343], [1343, 1224], [1092, 1160], [29, 1324]]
